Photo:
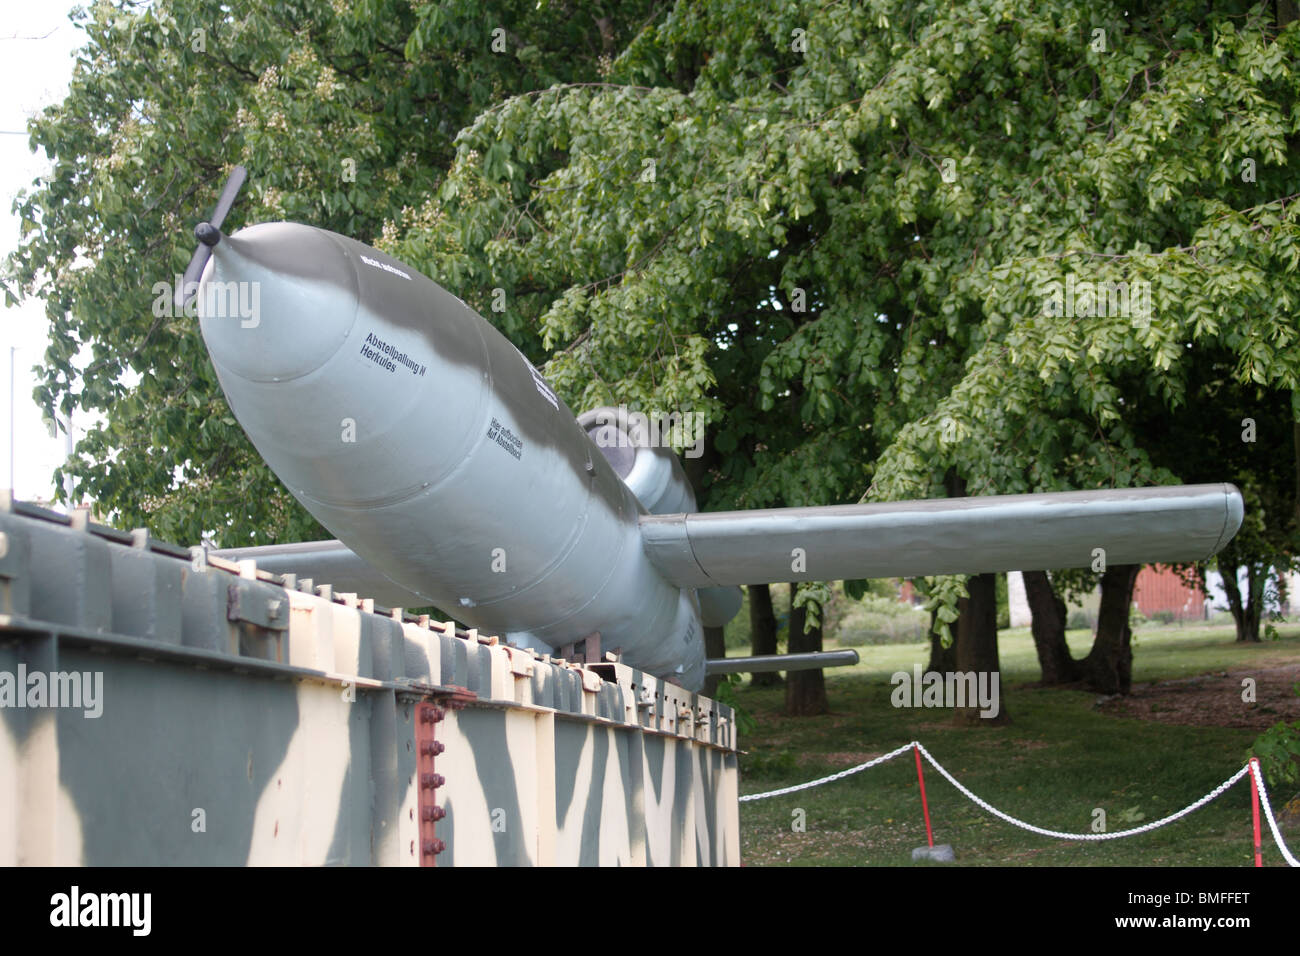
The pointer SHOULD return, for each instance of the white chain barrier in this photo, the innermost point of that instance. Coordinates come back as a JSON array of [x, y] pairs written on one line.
[[1272, 824], [1146, 827], [835, 776]]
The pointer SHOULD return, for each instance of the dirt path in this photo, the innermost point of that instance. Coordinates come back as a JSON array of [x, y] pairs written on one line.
[[1214, 700]]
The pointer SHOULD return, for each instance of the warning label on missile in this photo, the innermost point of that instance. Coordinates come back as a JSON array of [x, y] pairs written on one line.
[[506, 438], [385, 356]]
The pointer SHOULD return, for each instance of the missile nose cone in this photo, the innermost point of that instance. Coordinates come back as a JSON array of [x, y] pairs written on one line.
[[277, 301]]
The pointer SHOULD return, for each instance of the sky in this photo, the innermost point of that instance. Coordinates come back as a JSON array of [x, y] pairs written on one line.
[[37, 43]]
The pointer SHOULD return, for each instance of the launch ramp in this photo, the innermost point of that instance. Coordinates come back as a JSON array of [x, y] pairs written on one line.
[[158, 708]]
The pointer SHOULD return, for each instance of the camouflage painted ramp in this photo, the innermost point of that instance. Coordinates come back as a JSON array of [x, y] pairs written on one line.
[[157, 708]]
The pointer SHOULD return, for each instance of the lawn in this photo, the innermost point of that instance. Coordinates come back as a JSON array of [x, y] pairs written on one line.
[[1064, 755]]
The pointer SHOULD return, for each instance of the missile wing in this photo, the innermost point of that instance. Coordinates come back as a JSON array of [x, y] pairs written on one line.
[[453, 475], [327, 562], [1072, 529]]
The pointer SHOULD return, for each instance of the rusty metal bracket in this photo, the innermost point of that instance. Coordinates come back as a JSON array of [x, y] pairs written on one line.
[[584, 651], [427, 746]]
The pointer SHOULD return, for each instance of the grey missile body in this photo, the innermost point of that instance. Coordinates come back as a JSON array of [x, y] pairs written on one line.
[[423, 439]]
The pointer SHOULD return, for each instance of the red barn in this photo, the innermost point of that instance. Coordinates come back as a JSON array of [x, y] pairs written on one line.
[[1158, 588]]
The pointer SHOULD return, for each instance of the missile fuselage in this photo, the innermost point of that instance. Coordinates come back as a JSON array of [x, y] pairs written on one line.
[[425, 441]]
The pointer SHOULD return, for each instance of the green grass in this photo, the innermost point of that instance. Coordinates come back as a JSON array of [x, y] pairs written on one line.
[[1058, 760]]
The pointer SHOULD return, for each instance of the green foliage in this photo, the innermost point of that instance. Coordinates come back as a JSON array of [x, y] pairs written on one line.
[[812, 598], [941, 596], [849, 257], [345, 115], [881, 620], [1278, 750], [726, 694]]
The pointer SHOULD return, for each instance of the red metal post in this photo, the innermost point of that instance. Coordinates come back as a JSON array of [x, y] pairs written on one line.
[[925, 807], [1254, 807]]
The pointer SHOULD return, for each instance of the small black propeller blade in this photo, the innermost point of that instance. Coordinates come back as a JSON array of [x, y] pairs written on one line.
[[209, 234], [233, 185]]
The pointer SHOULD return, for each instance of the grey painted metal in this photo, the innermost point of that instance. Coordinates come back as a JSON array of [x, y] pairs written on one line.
[[635, 447], [225, 738], [326, 562], [944, 536], [652, 471], [333, 562], [424, 441], [811, 661], [719, 605]]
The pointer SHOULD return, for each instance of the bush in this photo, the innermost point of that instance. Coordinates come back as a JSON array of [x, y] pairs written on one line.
[[880, 620], [1079, 620], [1278, 750], [1163, 617], [737, 634]]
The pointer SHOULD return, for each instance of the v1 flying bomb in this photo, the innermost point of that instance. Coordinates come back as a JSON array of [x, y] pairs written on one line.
[[453, 475]]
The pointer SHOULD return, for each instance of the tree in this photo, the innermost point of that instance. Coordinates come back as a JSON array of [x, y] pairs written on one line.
[[873, 244], [1227, 430], [1048, 628], [345, 113], [977, 645], [1109, 665], [805, 691], [715, 646], [762, 631]]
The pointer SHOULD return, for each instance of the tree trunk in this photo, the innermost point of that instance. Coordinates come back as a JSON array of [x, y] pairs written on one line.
[[1108, 668], [1228, 571], [977, 646], [1048, 628], [943, 660], [1256, 578], [1245, 612], [715, 645], [762, 631], [805, 691], [1295, 444]]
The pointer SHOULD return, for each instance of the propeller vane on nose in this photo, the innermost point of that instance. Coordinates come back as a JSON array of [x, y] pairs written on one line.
[[209, 234]]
